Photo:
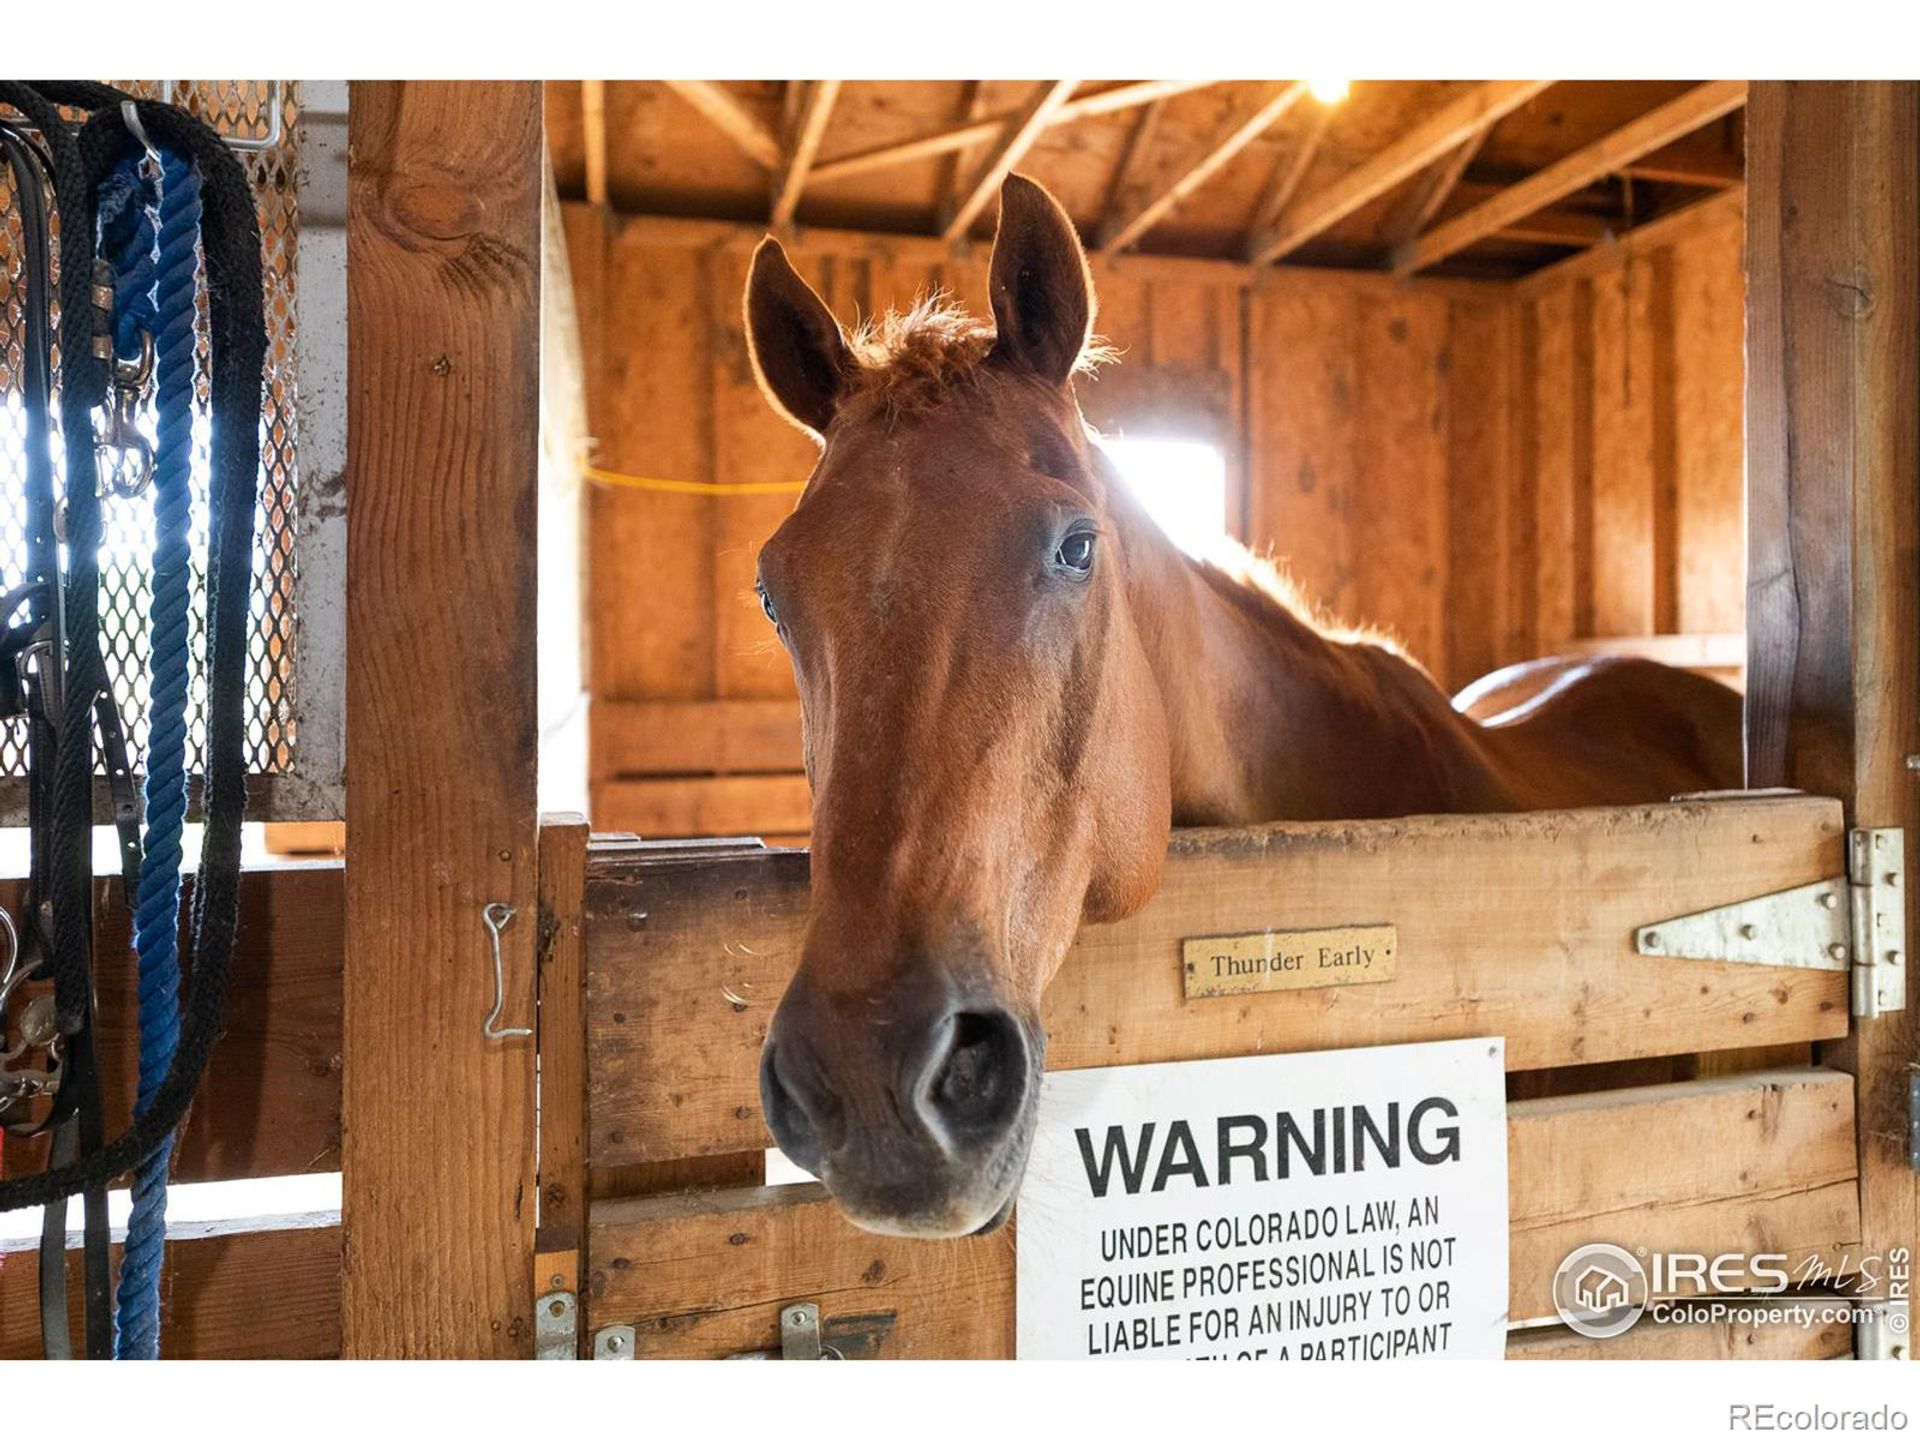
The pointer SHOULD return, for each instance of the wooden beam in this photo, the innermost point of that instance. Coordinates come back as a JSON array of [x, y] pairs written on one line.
[[949, 138], [1014, 143], [1288, 172], [1125, 182], [694, 737], [443, 419], [1453, 125], [266, 1289], [971, 110], [270, 1104], [563, 1186], [729, 114], [705, 805], [803, 143], [1722, 208], [1767, 1153], [687, 233], [1695, 161], [1833, 514], [1426, 198], [593, 119], [1573, 888], [1281, 97], [1698, 106]]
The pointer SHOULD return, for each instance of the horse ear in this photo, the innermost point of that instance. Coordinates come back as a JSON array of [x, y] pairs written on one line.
[[1042, 292], [799, 352]]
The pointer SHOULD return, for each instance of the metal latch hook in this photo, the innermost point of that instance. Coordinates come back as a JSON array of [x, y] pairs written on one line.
[[497, 916]]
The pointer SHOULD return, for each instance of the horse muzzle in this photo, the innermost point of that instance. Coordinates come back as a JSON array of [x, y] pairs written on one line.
[[914, 1104]]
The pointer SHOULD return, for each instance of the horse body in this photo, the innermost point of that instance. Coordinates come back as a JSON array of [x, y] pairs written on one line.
[[1013, 685]]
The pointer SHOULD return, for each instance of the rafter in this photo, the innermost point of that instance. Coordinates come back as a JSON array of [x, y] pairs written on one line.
[[1121, 188], [727, 113], [1698, 106], [974, 108], [593, 127], [1280, 98], [1014, 143], [949, 138], [1290, 170], [1430, 194], [803, 143], [1454, 124]]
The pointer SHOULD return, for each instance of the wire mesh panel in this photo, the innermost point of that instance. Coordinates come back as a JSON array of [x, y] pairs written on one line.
[[241, 109]]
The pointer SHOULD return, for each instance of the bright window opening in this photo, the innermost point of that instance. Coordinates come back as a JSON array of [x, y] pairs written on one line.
[[1182, 483]]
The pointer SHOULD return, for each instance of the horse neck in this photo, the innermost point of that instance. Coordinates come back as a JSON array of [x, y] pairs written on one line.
[[1269, 719]]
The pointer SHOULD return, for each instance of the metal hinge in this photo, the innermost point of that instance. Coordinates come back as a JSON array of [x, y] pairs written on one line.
[[1852, 922], [556, 1326], [1883, 1331]]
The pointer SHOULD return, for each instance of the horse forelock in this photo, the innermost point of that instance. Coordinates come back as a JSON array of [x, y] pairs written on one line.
[[909, 360]]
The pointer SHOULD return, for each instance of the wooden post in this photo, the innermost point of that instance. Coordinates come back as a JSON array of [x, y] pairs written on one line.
[[1833, 474], [443, 263], [563, 1054]]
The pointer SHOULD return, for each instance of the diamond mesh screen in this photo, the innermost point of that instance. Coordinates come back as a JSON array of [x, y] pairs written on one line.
[[237, 108]]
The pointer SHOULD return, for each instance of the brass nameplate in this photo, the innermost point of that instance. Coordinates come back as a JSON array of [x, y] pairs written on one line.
[[1288, 960]]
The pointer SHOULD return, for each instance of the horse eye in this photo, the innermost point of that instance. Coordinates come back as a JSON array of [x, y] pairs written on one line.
[[766, 604], [1076, 553]]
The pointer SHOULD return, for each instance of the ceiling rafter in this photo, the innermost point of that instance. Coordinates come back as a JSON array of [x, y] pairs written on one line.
[[1455, 123], [1014, 143], [809, 125], [1124, 184], [1279, 98], [1426, 198], [1288, 172], [731, 116], [983, 131], [1699, 106]]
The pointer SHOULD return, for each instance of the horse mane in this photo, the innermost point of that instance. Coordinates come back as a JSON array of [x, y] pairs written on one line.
[[1261, 587], [907, 359]]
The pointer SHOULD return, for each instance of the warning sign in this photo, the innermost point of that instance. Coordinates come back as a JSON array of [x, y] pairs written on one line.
[[1343, 1205]]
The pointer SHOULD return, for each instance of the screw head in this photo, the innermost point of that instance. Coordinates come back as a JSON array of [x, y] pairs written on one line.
[[1828, 900], [1749, 932], [1838, 952]]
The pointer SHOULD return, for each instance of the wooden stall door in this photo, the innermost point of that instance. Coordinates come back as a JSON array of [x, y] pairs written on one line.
[[1514, 925]]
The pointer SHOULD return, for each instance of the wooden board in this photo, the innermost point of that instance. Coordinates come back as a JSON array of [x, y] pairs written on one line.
[[270, 1104], [563, 1082], [1514, 925], [1776, 1337], [443, 253], [705, 805], [1833, 464], [256, 1290], [695, 737], [1759, 1161]]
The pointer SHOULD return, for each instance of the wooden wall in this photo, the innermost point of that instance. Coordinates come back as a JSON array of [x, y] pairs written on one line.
[[1491, 472]]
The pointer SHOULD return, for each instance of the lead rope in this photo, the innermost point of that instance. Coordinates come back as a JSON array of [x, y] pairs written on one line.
[[155, 305]]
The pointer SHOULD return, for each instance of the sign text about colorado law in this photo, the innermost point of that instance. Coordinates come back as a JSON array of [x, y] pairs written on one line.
[[1342, 1205]]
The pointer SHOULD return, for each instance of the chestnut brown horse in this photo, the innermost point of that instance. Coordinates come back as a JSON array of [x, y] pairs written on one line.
[[1013, 684]]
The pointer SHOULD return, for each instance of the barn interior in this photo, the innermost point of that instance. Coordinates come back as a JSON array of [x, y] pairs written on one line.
[[1466, 357]]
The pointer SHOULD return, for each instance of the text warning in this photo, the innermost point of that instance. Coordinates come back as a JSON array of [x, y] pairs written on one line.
[[1344, 1205]]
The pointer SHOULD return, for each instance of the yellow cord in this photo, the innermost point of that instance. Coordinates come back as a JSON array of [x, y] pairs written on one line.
[[692, 487]]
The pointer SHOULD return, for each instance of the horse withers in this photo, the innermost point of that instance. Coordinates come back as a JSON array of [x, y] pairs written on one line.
[[1013, 684]]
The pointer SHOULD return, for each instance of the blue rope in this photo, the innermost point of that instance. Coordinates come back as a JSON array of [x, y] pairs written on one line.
[[156, 293]]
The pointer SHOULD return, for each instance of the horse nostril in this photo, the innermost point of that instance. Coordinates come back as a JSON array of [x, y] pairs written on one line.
[[980, 1083], [794, 1129]]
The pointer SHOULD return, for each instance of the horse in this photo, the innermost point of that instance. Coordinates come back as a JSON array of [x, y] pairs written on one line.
[[1013, 684]]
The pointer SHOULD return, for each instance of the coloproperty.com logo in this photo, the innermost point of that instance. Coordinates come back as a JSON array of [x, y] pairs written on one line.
[[1603, 1290]]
